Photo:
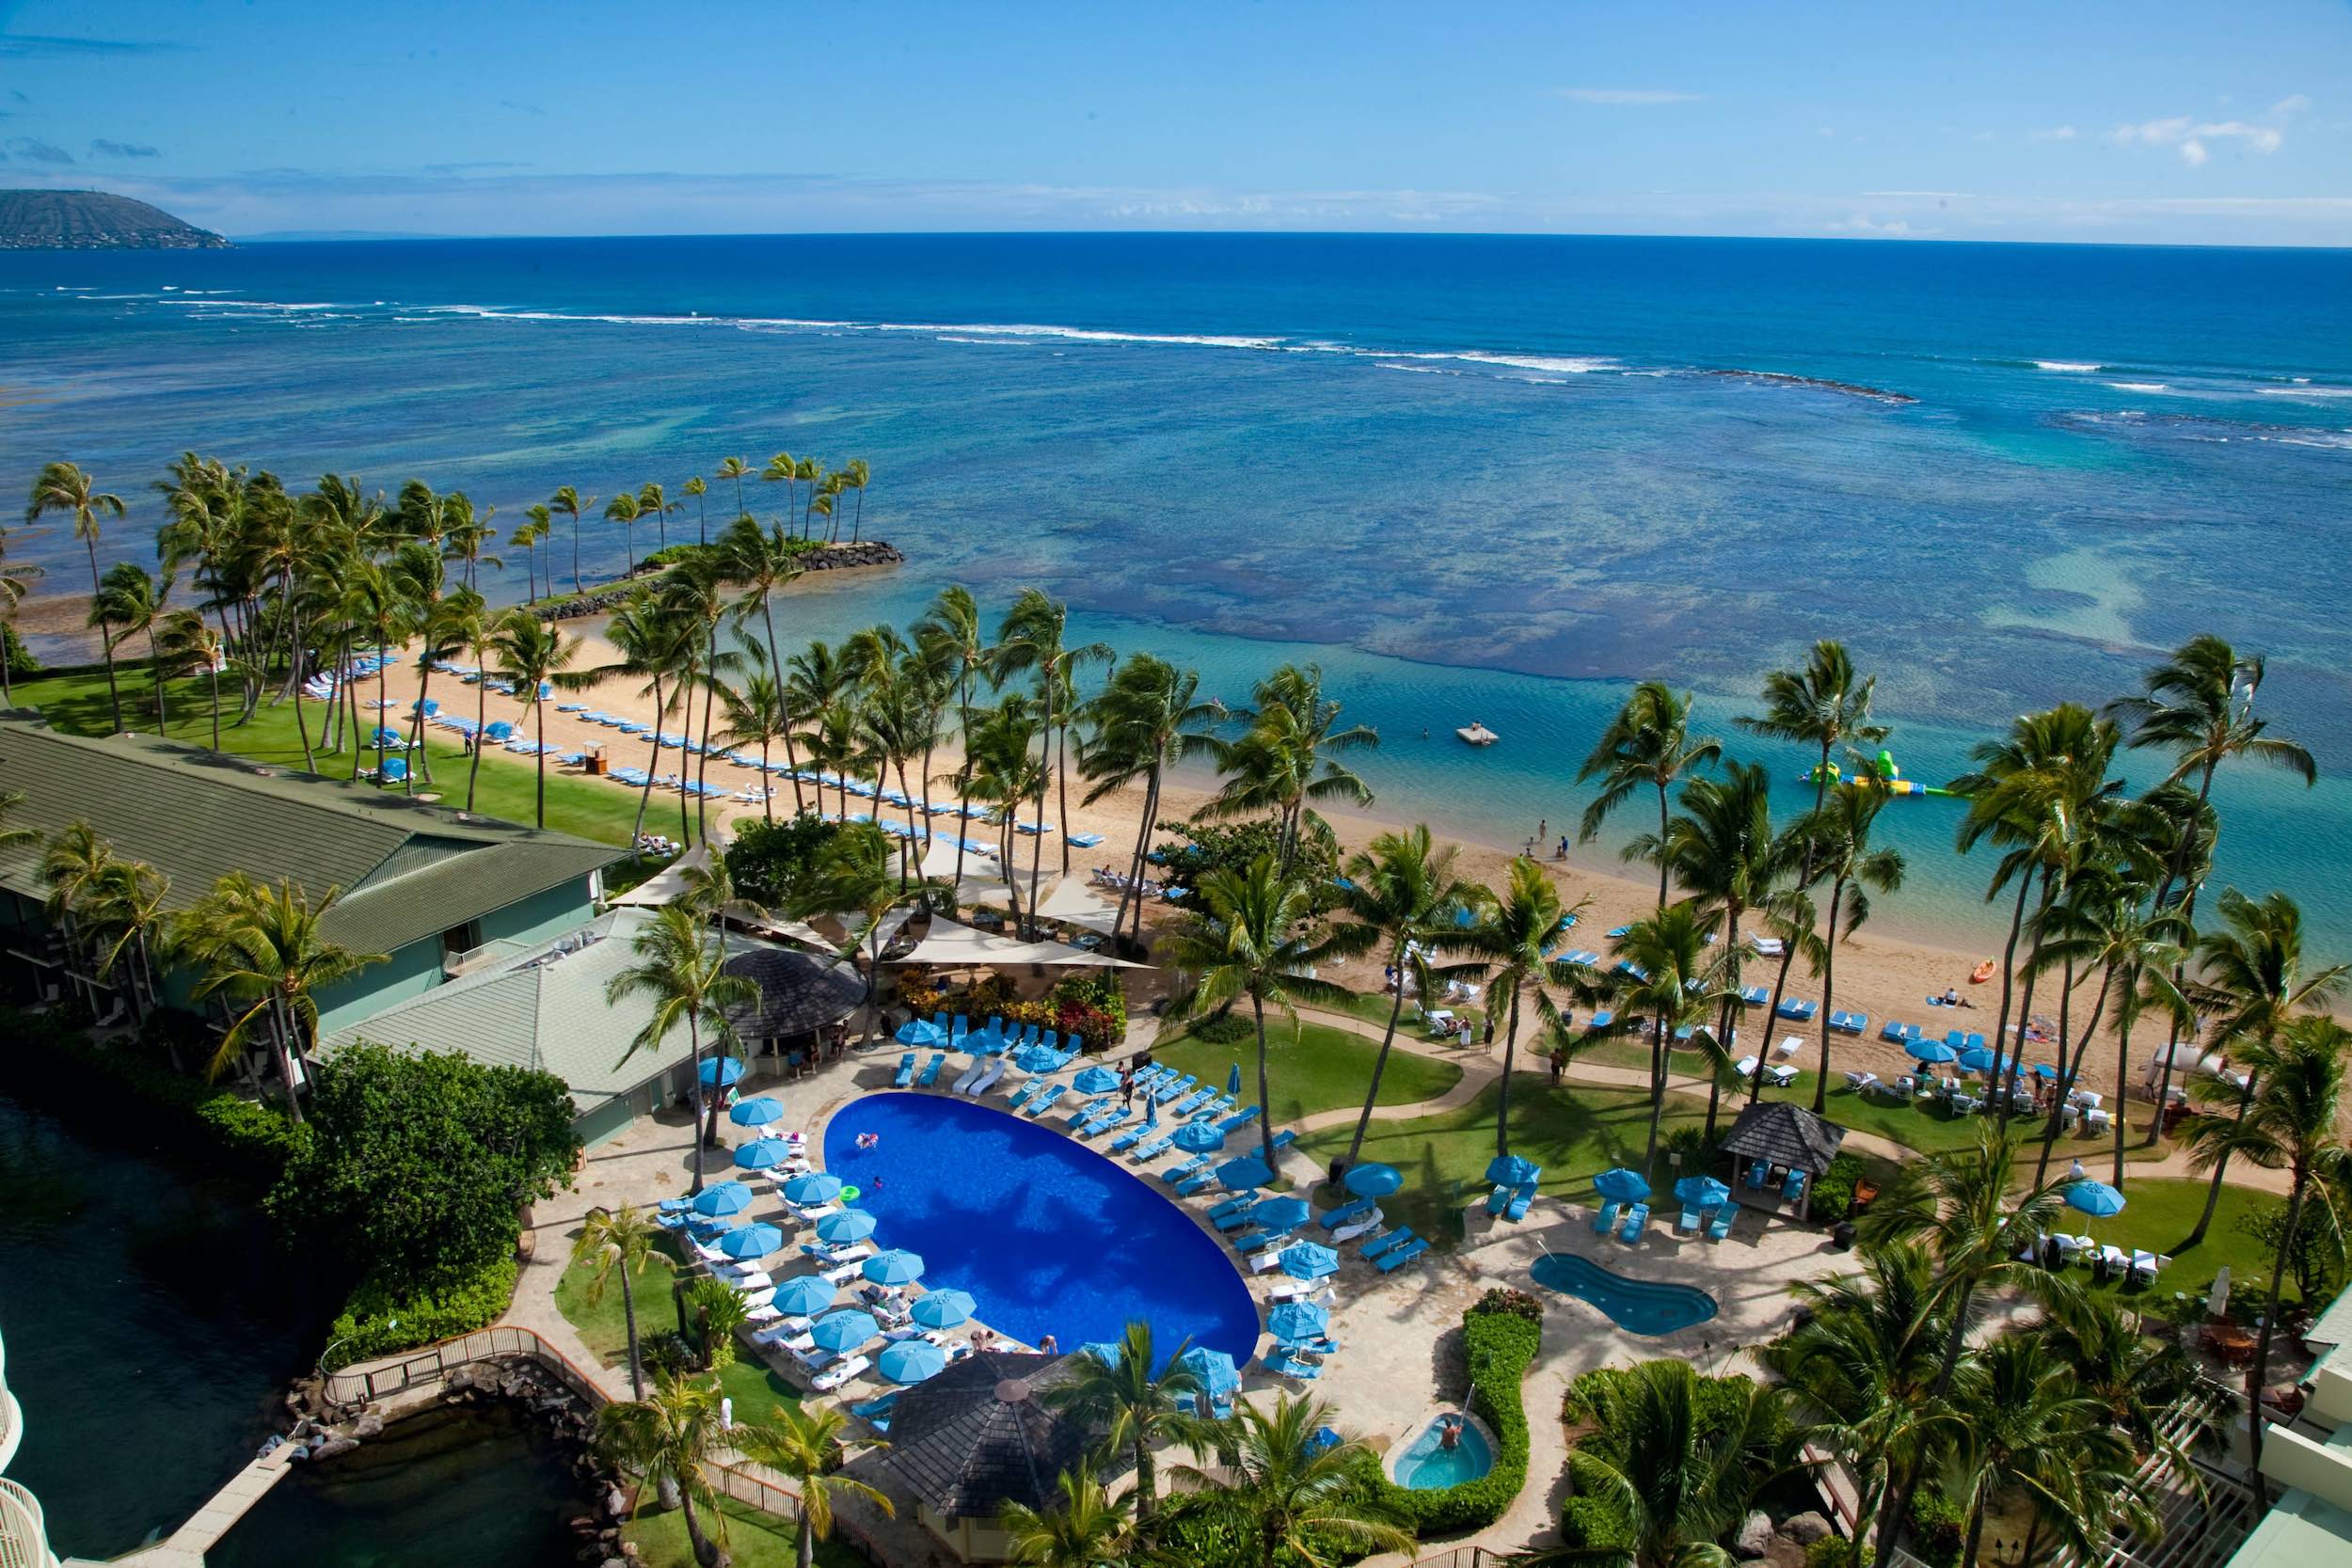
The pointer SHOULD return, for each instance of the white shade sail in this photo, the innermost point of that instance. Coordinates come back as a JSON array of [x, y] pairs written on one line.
[[666, 885], [950, 944]]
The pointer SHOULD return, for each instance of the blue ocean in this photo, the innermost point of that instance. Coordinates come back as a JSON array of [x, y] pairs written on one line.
[[1477, 478]]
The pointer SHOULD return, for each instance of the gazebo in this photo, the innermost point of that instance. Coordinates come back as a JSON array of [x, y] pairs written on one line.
[[1784, 1135], [799, 995], [980, 1435]]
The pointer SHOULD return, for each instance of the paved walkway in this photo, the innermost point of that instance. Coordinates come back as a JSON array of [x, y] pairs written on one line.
[[185, 1547]]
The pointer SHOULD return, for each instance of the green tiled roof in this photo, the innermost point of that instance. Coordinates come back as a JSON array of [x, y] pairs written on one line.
[[407, 870]]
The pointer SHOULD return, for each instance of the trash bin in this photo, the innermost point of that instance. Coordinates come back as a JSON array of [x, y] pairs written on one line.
[[1841, 1235]]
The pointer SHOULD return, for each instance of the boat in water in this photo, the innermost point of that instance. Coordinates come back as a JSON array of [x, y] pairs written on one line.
[[1476, 734]]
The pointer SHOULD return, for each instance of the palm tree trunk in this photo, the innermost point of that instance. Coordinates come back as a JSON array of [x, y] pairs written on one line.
[[1661, 845], [767, 788], [2221, 1169], [694, 1044], [2069, 1071], [302, 727], [705, 1551], [576, 587], [1503, 1096], [541, 759], [106, 638], [155, 664], [1379, 1064], [1829, 992], [2008, 967], [1771, 1011], [629, 1318], [213, 676], [1061, 775], [2255, 1374], [2122, 1067], [1657, 1082], [644, 794], [480, 713], [1265, 1100], [1976, 1529]]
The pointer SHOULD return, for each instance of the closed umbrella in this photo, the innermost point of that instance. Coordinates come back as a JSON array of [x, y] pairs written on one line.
[[805, 1296], [1702, 1192], [1510, 1170], [1310, 1260], [910, 1360], [1620, 1186], [721, 1072], [1095, 1080], [1233, 1081], [1214, 1368], [2094, 1197], [1241, 1175], [1925, 1050], [1280, 1213], [1200, 1137], [757, 1113], [942, 1309], [816, 1186], [844, 1330], [761, 1154], [850, 1224], [1297, 1320], [895, 1267], [727, 1197], [751, 1240], [1374, 1181]]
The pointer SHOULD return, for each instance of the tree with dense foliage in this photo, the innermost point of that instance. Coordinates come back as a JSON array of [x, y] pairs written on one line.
[[1513, 930], [1648, 742], [682, 969], [2034, 1435], [616, 1243], [533, 654], [1134, 1399], [63, 487], [1088, 1529], [1294, 1498], [1838, 840], [673, 1440], [1664, 981], [1290, 755], [1148, 718], [804, 1443]]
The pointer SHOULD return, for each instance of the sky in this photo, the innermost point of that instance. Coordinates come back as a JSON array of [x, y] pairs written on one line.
[[2148, 121]]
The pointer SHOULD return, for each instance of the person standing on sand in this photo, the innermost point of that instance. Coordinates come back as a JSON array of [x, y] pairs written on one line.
[[1543, 829]]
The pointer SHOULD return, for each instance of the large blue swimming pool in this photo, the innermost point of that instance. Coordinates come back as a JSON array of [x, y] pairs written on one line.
[[1048, 1236]]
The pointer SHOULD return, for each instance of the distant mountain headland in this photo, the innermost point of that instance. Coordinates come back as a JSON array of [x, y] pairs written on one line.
[[94, 220]]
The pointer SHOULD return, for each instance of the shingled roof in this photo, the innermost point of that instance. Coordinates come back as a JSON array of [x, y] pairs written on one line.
[[796, 993], [979, 1436], [407, 870], [1786, 1135]]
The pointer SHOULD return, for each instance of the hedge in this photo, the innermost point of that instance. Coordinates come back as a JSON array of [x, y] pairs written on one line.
[[374, 1321], [1499, 1346], [1833, 1194], [1590, 1525]]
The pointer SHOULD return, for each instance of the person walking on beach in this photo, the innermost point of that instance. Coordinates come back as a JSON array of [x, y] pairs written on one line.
[[1543, 829]]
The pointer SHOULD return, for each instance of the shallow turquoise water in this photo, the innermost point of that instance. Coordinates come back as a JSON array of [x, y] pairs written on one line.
[[1636, 1305], [1427, 1466]]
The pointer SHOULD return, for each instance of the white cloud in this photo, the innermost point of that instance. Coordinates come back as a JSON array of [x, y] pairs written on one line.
[[2056, 133], [2193, 138], [1864, 225], [1628, 96]]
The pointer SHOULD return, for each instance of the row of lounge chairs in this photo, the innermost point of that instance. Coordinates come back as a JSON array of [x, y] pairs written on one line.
[[1631, 1221]]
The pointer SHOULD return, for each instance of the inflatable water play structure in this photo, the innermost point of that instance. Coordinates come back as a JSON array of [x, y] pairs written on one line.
[[1882, 773]]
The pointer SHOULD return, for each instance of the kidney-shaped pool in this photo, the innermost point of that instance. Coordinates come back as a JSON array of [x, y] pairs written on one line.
[[1048, 1236]]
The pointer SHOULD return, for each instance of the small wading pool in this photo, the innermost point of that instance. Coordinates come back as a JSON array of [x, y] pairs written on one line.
[[1635, 1306], [1426, 1465]]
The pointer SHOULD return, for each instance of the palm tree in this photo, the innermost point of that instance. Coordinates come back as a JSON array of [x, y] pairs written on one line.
[[1034, 638], [1820, 706], [2252, 974], [537, 524], [782, 470], [2288, 1123], [1291, 1497], [756, 716], [471, 534], [950, 633], [808, 469], [130, 602], [1254, 936], [2199, 706], [672, 1440], [73, 866], [2032, 1434], [63, 487], [1147, 719], [569, 502], [1677, 1481], [1648, 742], [187, 642], [1841, 853], [1090, 1530], [1663, 983], [1513, 930], [854, 477], [617, 1241], [623, 509], [686, 978], [1720, 847], [695, 592], [652, 502], [532, 654], [2134, 946], [1132, 1399], [2143, 1383], [853, 872], [804, 1443], [265, 948], [1403, 889], [124, 914], [760, 564], [734, 468], [1290, 755], [696, 487], [15, 582]]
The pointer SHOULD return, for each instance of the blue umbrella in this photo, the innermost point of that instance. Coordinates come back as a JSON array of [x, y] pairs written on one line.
[[1095, 1080], [1297, 1320], [910, 1360], [1151, 1116], [1619, 1186], [2094, 1197], [1233, 1081], [942, 1309], [1979, 1059], [2045, 1072], [1036, 1059], [751, 1240], [850, 1224], [1509, 1170], [1243, 1174], [805, 1296], [1926, 1050], [1280, 1213], [1702, 1192], [1374, 1181], [920, 1031], [760, 1153], [727, 1197], [1200, 1137], [1308, 1260], [844, 1330], [895, 1267], [816, 1186], [1215, 1369], [757, 1113], [720, 1071], [1103, 1350]]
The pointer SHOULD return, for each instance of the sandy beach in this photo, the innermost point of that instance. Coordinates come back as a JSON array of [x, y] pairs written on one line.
[[1882, 976]]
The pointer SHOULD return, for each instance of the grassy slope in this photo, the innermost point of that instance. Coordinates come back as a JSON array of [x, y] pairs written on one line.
[[1322, 1069], [604, 1329], [755, 1540]]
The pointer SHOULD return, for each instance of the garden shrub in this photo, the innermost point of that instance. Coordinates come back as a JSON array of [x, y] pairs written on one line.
[[1590, 1525], [1498, 1347], [18, 658], [1936, 1529], [1229, 1028], [1516, 1304], [1833, 1195], [1830, 1551], [380, 1319]]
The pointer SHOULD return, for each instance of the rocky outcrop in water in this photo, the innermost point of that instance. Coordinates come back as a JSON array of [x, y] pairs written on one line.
[[830, 558]]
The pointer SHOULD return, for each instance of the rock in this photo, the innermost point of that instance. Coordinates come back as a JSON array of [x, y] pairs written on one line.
[[1784, 1553], [333, 1448], [1805, 1529], [1755, 1534], [616, 1563], [368, 1425], [617, 1503]]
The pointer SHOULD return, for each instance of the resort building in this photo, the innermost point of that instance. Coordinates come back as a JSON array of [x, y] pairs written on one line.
[[544, 1007], [436, 890], [23, 1531], [2310, 1525]]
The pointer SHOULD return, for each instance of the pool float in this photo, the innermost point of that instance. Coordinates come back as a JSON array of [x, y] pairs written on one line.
[[1982, 973], [849, 1195]]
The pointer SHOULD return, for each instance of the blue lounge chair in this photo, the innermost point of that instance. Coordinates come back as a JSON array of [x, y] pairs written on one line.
[[1020, 1096], [1293, 1368], [1045, 1103], [1331, 1219], [905, 1074], [1893, 1033], [1130, 1137], [1796, 1010], [1722, 1226], [1497, 1199], [1283, 1139], [1521, 1198], [1636, 1221], [1227, 1218], [1380, 1245], [1184, 1170], [1239, 1120], [1236, 1204], [1388, 1262], [1153, 1149], [1102, 1124], [1194, 1184], [1755, 996], [1606, 1220], [929, 1075], [1083, 1113], [1690, 1221], [1258, 1241]]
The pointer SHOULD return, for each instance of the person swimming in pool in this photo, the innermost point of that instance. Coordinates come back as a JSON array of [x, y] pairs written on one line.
[[868, 1140], [1450, 1433]]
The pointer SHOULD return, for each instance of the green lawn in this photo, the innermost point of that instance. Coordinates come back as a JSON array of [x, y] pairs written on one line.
[[1323, 1068], [2159, 1211], [605, 1331], [755, 1540], [1373, 1008], [75, 702]]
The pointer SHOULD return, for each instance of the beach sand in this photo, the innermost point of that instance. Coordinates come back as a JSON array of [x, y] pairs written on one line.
[[1883, 978]]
